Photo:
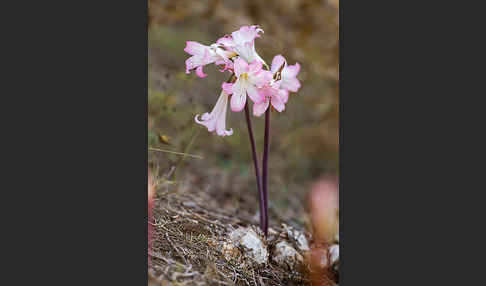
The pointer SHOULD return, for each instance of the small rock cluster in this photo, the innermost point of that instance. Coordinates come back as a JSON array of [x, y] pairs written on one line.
[[285, 248]]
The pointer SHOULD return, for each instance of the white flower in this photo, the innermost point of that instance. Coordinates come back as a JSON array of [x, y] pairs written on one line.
[[203, 55], [242, 42], [216, 120], [249, 78]]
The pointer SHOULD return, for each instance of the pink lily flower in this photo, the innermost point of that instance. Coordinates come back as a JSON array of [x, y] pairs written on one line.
[[277, 92], [289, 81], [216, 120], [274, 94], [250, 77], [203, 55], [242, 42]]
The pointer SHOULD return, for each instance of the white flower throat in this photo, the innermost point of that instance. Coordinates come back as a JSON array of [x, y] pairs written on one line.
[[244, 76]]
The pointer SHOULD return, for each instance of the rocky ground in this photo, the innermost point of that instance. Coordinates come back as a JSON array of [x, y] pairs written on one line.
[[195, 245]]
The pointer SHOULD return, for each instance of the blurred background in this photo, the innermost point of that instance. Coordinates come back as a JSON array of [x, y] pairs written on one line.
[[304, 138]]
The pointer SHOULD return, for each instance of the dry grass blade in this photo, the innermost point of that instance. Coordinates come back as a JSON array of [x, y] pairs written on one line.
[[174, 152]]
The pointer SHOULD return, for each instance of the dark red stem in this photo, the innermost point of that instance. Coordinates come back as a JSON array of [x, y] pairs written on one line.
[[263, 213], [266, 148]]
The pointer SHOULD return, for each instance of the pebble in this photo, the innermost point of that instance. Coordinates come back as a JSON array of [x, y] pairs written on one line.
[[298, 237], [286, 256], [248, 239], [334, 256]]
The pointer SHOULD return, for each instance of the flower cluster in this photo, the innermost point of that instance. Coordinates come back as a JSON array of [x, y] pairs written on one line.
[[236, 53]]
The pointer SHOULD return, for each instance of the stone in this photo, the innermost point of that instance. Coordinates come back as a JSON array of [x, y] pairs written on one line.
[[302, 243], [297, 237], [189, 204], [334, 256], [286, 256], [251, 242]]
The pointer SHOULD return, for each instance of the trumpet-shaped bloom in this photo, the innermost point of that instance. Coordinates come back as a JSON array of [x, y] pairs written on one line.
[[272, 94], [242, 42], [203, 55], [216, 120], [289, 79], [249, 78]]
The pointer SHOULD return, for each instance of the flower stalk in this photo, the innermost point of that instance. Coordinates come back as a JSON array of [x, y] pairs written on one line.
[[263, 209], [266, 150]]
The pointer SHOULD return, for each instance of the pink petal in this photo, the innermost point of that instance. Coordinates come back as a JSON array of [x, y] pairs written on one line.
[[276, 84], [190, 64], [227, 65], [277, 103], [254, 94], [226, 41], [224, 132], [238, 102], [246, 34], [261, 78], [291, 71], [227, 87], [240, 66], [219, 62], [216, 120], [255, 66], [197, 120], [267, 91], [206, 59], [291, 84], [200, 73], [210, 124], [277, 62], [259, 109], [221, 125], [283, 95], [221, 120], [194, 48]]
